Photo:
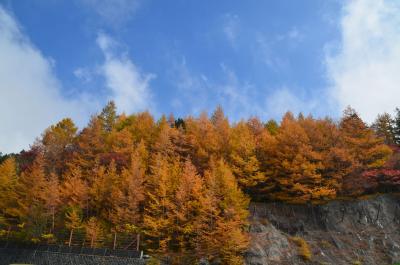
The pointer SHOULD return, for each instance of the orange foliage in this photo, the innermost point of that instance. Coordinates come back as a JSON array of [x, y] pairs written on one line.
[[182, 183]]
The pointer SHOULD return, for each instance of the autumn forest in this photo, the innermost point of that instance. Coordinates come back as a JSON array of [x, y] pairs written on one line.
[[182, 186]]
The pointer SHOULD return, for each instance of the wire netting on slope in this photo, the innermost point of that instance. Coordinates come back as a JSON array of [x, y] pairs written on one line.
[[41, 257]]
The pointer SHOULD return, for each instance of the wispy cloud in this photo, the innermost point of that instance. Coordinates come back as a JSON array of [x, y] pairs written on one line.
[[30, 97], [293, 35], [192, 87], [284, 99], [129, 87], [230, 28], [264, 50], [113, 12], [240, 99], [83, 73], [202, 93], [364, 66]]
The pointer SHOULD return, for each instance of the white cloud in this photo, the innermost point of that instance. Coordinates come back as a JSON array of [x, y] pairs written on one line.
[[114, 12], [30, 93], [129, 87], [364, 70], [30, 98]]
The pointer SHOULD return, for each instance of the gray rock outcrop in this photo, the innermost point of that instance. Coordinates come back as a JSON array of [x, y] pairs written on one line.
[[360, 232]]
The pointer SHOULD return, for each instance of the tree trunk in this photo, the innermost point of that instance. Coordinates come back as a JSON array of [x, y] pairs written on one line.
[[52, 223], [115, 240], [137, 241], [70, 237], [87, 207], [8, 232]]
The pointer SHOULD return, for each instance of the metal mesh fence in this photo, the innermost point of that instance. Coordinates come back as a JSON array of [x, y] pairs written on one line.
[[15, 246], [40, 257]]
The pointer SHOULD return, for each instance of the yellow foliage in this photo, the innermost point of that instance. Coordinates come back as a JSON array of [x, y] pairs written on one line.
[[73, 219], [47, 236], [3, 232], [35, 240], [153, 261]]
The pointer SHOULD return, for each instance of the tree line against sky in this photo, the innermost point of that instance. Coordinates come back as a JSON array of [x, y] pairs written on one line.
[[183, 186]]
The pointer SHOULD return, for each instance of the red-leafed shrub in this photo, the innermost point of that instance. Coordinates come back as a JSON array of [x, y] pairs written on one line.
[[382, 180]]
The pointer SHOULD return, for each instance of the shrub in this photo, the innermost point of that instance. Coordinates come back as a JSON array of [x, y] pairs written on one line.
[[304, 248], [153, 261], [3, 232]]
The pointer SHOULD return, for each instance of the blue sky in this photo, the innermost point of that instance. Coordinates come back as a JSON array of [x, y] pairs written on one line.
[[255, 58]]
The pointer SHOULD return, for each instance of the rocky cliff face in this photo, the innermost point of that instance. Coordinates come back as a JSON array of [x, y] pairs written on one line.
[[362, 232]]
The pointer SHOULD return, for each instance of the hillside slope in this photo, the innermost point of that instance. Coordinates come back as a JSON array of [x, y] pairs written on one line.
[[341, 232]]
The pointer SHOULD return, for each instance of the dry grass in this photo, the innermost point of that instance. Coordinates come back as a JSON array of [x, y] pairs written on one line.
[[264, 221], [368, 196], [325, 244]]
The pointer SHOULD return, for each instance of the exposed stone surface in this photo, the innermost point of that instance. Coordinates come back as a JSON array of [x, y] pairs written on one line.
[[363, 232]]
